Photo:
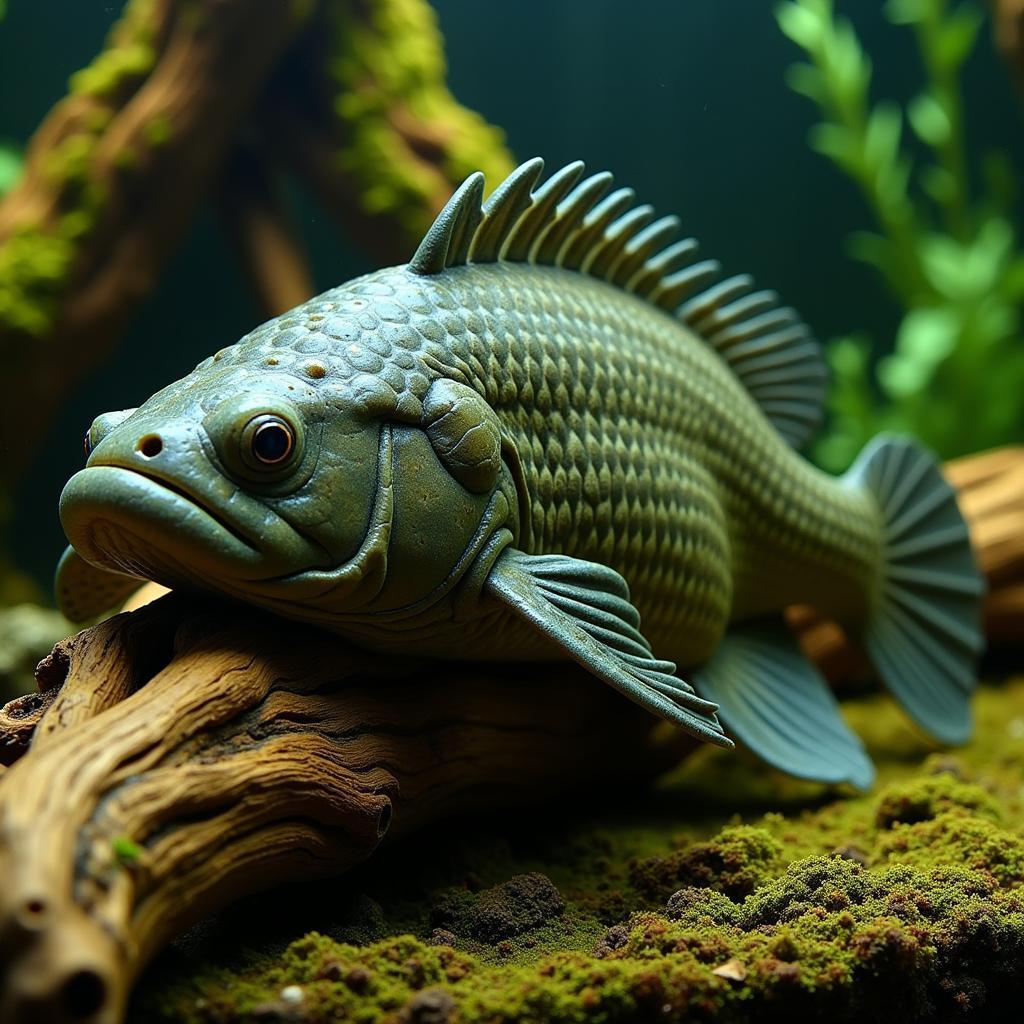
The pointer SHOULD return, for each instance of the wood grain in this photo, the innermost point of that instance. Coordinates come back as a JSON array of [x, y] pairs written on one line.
[[193, 754]]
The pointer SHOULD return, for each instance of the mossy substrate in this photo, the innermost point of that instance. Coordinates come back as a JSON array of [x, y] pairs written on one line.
[[725, 892]]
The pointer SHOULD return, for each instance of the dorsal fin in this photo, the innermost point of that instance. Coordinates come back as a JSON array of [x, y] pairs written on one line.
[[580, 227]]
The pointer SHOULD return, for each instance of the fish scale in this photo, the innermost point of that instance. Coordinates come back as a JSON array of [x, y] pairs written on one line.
[[551, 434], [684, 535]]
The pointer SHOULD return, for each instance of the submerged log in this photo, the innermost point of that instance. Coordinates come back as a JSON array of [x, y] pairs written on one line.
[[185, 754]]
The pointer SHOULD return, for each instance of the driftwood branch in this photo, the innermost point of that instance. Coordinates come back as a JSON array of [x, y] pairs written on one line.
[[264, 238], [1008, 23], [129, 157], [350, 94], [185, 755]]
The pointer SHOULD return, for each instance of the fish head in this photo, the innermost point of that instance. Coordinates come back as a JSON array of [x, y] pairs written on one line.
[[261, 486], [228, 480]]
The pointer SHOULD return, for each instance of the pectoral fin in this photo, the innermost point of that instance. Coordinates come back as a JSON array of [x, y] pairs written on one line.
[[85, 591], [585, 609], [775, 701]]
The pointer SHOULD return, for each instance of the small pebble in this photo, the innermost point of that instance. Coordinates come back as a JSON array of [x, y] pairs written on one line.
[[734, 970], [292, 994]]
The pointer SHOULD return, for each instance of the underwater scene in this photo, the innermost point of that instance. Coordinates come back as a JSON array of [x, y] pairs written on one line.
[[511, 512]]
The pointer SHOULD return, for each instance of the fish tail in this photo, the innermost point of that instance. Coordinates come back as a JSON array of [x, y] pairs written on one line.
[[923, 634]]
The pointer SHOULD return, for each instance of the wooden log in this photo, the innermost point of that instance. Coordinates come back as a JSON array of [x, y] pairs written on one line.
[[191, 754], [1008, 26], [130, 155]]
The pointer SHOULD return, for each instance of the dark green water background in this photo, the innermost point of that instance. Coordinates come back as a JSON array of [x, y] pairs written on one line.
[[683, 99]]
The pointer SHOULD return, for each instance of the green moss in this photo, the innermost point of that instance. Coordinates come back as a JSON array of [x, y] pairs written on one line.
[[519, 905], [926, 798], [112, 70], [388, 65], [129, 56], [725, 893], [126, 850], [158, 131], [36, 260], [735, 862]]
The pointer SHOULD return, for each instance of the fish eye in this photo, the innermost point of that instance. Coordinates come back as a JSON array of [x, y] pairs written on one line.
[[269, 440]]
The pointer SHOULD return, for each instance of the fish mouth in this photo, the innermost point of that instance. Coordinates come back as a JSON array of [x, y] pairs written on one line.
[[154, 528]]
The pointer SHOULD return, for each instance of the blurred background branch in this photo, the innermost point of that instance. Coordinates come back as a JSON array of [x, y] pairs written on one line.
[[222, 98]]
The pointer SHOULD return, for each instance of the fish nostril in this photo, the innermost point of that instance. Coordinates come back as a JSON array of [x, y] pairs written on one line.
[[149, 446]]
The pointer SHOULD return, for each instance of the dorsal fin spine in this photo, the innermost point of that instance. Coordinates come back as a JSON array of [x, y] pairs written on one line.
[[702, 306], [674, 257], [636, 251], [742, 309], [618, 233], [677, 286], [577, 246], [503, 209], [470, 216], [524, 233], [569, 215], [574, 224]]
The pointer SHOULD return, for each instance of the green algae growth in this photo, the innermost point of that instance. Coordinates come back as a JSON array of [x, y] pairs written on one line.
[[726, 893]]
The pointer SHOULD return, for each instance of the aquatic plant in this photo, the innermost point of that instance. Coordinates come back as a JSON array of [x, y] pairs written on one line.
[[945, 251], [10, 165]]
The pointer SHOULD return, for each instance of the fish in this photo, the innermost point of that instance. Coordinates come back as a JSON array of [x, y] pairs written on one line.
[[556, 433]]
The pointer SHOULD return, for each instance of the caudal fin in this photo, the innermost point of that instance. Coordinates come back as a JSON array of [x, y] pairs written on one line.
[[924, 634]]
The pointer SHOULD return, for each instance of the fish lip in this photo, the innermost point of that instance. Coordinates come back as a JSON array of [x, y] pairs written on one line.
[[211, 547]]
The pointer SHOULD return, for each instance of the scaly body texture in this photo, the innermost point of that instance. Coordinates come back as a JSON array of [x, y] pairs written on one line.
[[547, 436], [639, 447]]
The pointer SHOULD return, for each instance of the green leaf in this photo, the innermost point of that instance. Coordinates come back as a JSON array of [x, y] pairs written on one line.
[[10, 165], [848, 357], [926, 337], [801, 24], [929, 119], [957, 36], [938, 183], [882, 136], [807, 81], [838, 144], [906, 12], [848, 66], [967, 272], [873, 249]]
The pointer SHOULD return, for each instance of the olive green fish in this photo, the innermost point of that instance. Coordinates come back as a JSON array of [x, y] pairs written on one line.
[[550, 435]]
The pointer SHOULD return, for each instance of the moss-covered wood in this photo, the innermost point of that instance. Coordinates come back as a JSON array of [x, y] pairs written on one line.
[[183, 755], [115, 172], [727, 893]]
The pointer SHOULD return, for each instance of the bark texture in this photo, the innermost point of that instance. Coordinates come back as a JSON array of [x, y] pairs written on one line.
[[215, 99], [182, 755]]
